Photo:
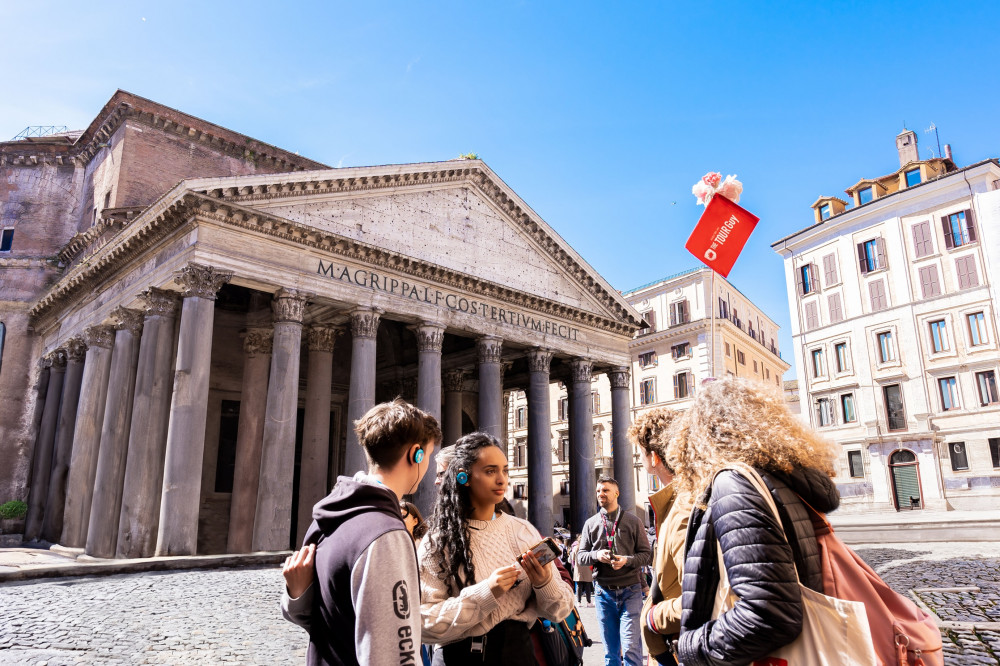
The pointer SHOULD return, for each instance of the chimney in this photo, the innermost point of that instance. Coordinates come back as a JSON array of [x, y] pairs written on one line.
[[947, 151], [906, 144]]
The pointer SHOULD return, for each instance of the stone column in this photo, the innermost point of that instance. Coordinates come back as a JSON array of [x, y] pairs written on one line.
[[364, 328], [451, 429], [249, 438], [147, 442], [582, 480], [55, 503], [539, 442], [273, 520], [624, 462], [430, 338], [314, 465], [87, 435], [177, 532], [41, 467], [490, 385], [102, 535]]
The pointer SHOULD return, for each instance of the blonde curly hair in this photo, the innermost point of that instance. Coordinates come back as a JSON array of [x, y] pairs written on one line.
[[652, 430], [740, 420]]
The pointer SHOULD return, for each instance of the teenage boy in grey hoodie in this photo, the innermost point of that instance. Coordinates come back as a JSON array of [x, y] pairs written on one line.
[[363, 606]]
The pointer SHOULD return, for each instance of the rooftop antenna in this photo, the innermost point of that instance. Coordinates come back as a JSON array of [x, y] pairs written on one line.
[[933, 128]]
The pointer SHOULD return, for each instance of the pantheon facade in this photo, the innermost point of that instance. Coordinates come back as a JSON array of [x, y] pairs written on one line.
[[194, 319]]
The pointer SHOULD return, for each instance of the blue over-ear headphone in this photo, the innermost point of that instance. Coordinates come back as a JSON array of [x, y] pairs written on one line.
[[462, 477], [418, 455]]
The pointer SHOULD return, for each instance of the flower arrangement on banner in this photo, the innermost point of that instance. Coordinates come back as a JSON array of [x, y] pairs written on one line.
[[711, 184]]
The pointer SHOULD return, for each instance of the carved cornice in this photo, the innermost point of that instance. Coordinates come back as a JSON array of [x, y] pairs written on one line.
[[619, 376], [159, 302], [430, 337], [581, 370], [201, 281], [539, 360], [323, 338], [364, 323], [289, 305], [257, 341], [57, 359], [454, 381], [76, 349], [124, 319], [490, 349], [99, 336]]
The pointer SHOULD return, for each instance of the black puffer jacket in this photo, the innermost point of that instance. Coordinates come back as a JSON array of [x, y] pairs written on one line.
[[759, 562]]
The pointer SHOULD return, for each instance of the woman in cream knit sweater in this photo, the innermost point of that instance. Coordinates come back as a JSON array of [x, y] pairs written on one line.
[[476, 600]]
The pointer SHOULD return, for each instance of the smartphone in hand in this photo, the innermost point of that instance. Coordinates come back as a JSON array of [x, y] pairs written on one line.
[[545, 550]]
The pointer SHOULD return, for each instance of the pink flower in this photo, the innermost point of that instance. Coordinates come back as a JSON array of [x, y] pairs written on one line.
[[703, 192], [731, 189], [712, 179]]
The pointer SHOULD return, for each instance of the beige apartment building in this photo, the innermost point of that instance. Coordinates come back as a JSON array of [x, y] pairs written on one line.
[[694, 324], [894, 327]]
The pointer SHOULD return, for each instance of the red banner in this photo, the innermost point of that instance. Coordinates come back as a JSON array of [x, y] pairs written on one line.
[[720, 234]]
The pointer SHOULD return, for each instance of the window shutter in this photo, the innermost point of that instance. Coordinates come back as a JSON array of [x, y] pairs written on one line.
[[830, 269], [651, 320], [932, 280], [967, 274], [970, 226], [880, 260], [876, 291], [799, 285], [676, 392], [812, 321], [813, 277], [836, 314], [673, 314], [949, 240], [862, 263], [922, 239]]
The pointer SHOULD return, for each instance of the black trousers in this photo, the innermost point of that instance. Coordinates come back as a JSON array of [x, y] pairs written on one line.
[[508, 643]]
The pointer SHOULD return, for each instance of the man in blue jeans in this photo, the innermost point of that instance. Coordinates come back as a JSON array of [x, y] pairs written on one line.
[[614, 542]]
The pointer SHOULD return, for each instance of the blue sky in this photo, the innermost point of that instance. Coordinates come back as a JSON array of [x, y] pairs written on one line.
[[600, 115]]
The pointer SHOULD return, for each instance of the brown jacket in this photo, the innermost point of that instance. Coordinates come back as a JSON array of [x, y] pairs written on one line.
[[672, 513]]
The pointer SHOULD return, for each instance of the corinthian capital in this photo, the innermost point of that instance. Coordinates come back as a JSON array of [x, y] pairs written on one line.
[[57, 358], [430, 337], [202, 281], [76, 349], [126, 319], [364, 323], [490, 349], [257, 341], [618, 376], [323, 338], [454, 380], [288, 305], [159, 302], [581, 370], [539, 360], [99, 336]]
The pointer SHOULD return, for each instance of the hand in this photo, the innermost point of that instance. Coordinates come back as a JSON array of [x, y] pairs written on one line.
[[537, 574], [502, 580], [604, 556], [618, 561], [299, 570]]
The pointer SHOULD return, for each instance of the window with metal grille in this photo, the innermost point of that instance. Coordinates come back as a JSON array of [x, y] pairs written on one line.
[[959, 457]]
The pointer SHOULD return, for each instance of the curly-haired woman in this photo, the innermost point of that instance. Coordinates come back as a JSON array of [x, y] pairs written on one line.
[[736, 421], [476, 602]]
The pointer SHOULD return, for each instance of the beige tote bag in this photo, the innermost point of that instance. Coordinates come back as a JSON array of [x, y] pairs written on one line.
[[834, 632]]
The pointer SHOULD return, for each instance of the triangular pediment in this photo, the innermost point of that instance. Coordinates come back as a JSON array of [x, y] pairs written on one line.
[[457, 215]]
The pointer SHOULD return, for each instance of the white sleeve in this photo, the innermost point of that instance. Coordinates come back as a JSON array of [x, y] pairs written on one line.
[[445, 618], [384, 589]]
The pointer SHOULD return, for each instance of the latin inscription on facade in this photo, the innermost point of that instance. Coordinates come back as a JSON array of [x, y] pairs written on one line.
[[362, 277]]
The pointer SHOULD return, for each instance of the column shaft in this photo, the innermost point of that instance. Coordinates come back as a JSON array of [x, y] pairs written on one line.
[[87, 435], [249, 438], [177, 532], [102, 535], [539, 442], [364, 328], [582, 479], [490, 385], [624, 463], [41, 467], [55, 503], [147, 442], [430, 338], [315, 463], [272, 522], [451, 429]]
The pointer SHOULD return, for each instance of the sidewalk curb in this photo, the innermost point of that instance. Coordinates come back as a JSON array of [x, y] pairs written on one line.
[[97, 567]]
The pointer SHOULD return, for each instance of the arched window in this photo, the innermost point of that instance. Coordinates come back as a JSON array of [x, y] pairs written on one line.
[[901, 457]]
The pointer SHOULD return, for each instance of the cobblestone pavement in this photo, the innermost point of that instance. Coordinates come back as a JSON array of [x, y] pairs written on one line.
[[231, 615]]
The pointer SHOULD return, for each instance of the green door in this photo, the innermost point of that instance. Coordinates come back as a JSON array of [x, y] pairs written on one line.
[[906, 486]]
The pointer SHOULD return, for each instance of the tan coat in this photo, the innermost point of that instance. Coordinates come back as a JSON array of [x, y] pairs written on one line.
[[672, 513]]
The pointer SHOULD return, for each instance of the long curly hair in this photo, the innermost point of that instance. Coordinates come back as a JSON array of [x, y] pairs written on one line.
[[651, 430], [448, 537], [739, 420]]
